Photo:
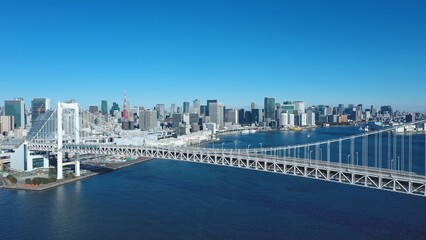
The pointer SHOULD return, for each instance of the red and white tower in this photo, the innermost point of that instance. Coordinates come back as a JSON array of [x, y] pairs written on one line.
[[125, 111]]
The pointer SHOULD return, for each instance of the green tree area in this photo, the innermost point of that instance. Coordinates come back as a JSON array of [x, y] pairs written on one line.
[[12, 179], [39, 180]]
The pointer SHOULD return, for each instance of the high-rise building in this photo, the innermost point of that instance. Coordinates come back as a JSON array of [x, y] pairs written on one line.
[[104, 107], [172, 109], [196, 106], [15, 108], [148, 120], [283, 121], [216, 113], [409, 118], [203, 110], [185, 107], [299, 106], [208, 106], [176, 119], [241, 119], [253, 105], [93, 109], [38, 107], [193, 118], [310, 118], [247, 117], [341, 109], [6, 123], [232, 116], [160, 110], [255, 116], [269, 106], [386, 109], [114, 108]]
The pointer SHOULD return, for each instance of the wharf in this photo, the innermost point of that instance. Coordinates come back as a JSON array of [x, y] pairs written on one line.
[[42, 187]]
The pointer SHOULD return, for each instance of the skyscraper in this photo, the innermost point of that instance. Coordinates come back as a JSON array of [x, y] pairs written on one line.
[[15, 108], [172, 108], [38, 107], [104, 107], [269, 106], [216, 113], [208, 106], [147, 120], [185, 107], [299, 106], [253, 105], [196, 106]]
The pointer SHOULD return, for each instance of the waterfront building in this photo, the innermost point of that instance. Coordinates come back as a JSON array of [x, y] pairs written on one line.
[[291, 119], [310, 118], [283, 121], [208, 106], [299, 106], [38, 107], [15, 108], [232, 116], [409, 118], [269, 106], [255, 116], [341, 109], [241, 119], [216, 113], [287, 107]]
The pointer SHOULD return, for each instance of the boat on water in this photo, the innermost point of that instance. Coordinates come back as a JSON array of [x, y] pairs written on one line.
[[253, 131], [245, 132], [296, 128]]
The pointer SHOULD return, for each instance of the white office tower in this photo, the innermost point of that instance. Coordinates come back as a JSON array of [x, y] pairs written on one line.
[[302, 120], [233, 116], [291, 120], [196, 106], [216, 113], [284, 120], [299, 106], [185, 118], [310, 119]]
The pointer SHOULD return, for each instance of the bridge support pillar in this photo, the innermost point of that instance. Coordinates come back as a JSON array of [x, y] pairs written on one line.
[[59, 172], [77, 166]]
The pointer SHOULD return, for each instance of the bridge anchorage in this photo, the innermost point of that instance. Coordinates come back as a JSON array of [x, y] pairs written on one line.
[[384, 159]]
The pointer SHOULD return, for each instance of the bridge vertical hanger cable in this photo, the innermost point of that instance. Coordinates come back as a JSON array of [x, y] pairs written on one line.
[[375, 149], [352, 157], [402, 150], [340, 151], [380, 150], [394, 151], [410, 152], [389, 150]]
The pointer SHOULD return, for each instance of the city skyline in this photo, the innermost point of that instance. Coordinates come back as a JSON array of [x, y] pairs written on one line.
[[237, 52]]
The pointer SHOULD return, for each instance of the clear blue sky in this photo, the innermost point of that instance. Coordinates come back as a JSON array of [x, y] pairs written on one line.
[[322, 52]]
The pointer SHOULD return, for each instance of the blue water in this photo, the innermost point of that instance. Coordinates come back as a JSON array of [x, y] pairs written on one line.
[[163, 199]]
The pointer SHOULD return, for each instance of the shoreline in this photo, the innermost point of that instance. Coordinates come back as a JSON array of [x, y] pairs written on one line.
[[43, 187]]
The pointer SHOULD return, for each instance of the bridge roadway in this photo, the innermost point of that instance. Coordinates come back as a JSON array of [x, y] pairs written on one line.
[[378, 178]]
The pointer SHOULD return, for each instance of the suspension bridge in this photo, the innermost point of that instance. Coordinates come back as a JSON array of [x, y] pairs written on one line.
[[381, 159]]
